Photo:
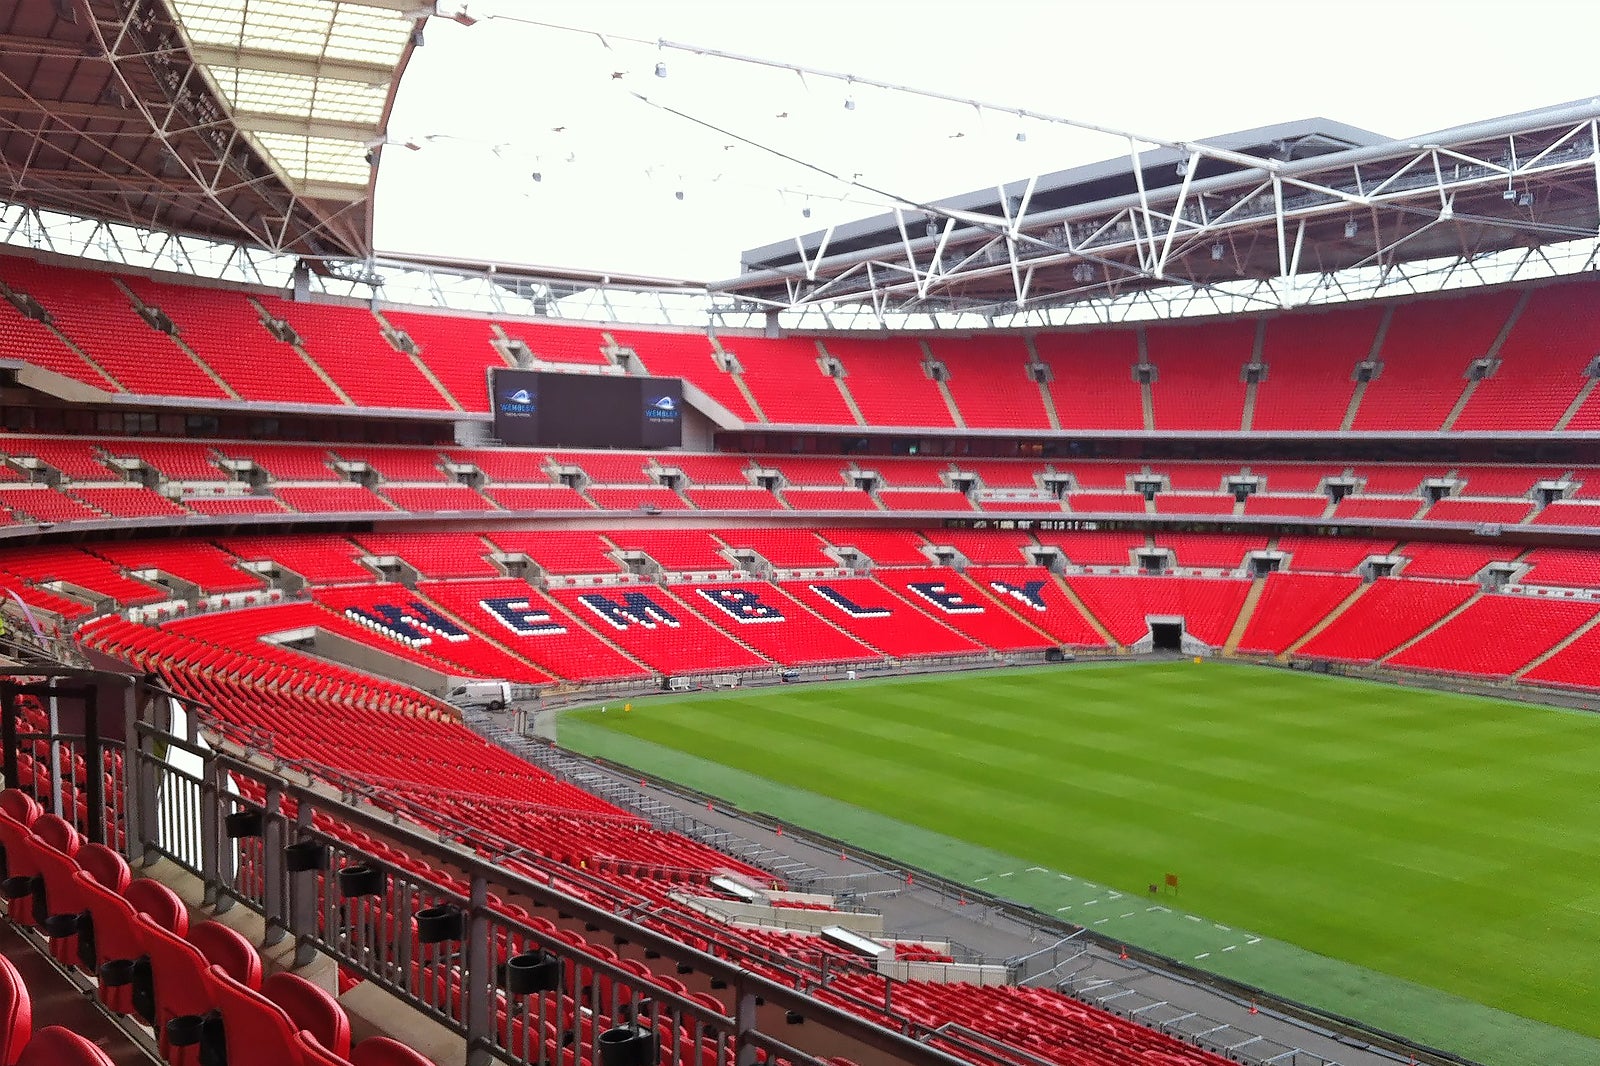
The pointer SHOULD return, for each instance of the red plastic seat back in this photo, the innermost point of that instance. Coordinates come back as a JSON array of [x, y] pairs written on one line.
[[105, 866], [225, 948], [116, 935], [16, 1013], [55, 1046], [177, 970], [257, 1031], [381, 1051], [312, 1009], [57, 832], [314, 1054], [147, 896], [19, 806], [58, 870]]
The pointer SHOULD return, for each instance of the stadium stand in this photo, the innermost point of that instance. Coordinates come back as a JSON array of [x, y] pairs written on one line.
[[786, 549], [1290, 604], [786, 379], [321, 558], [654, 627], [1390, 612], [877, 618], [1569, 567], [1095, 549], [990, 383], [1311, 359], [1036, 594], [1496, 635], [394, 620], [1208, 606], [1108, 502], [1091, 378], [537, 498], [674, 549], [1503, 512], [691, 357], [1286, 506], [1541, 366], [1199, 374], [958, 603], [1572, 665], [347, 343], [558, 551], [1213, 550], [749, 498], [802, 499], [287, 462], [1451, 560], [1426, 351], [433, 554], [1334, 555], [456, 349], [1359, 507], [984, 547], [436, 498], [1193, 503], [204, 565], [889, 384], [331, 499]]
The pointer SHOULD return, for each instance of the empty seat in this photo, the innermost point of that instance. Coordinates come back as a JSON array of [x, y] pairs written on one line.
[[110, 941], [313, 1010], [16, 1013], [255, 1030], [55, 1046]]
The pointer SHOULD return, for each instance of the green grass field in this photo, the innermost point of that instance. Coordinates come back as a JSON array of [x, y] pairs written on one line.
[[1448, 841]]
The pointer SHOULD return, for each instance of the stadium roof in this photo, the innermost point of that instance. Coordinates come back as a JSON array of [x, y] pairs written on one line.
[[251, 121], [1275, 205]]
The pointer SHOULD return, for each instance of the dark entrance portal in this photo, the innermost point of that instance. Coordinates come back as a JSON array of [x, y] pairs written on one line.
[[1167, 636]]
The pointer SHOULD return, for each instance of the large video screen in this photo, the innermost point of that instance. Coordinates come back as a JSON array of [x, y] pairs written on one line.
[[535, 407]]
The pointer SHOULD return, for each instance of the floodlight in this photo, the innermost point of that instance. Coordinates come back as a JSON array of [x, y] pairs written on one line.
[[678, 194], [849, 103], [661, 70], [1509, 194], [1216, 251], [1021, 136], [1525, 200], [1350, 228]]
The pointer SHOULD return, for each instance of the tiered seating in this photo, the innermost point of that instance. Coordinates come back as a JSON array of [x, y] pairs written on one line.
[[512, 466], [924, 500], [99, 318], [953, 600], [534, 627], [287, 462], [885, 547], [1209, 606], [998, 547], [786, 378], [625, 499], [1425, 355], [127, 501], [1193, 503], [436, 498], [222, 506], [1290, 604], [537, 498], [1004, 474], [814, 471], [1311, 358], [749, 498], [391, 619], [654, 628], [320, 558], [1197, 477], [40, 503], [789, 549], [225, 330], [1505, 481], [331, 499], [1397, 479], [1035, 593], [204, 565], [560, 342], [1094, 549], [1497, 512], [33, 342], [1286, 506], [1569, 567], [1224, 550], [433, 555], [55, 563], [709, 469], [558, 551], [1565, 513], [764, 618], [609, 468], [990, 383], [1390, 612], [396, 464], [1295, 478], [879, 619], [689, 356], [1107, 502], [1451, 560], [674, 549], [176, 460], [1356, 508], [1576, 665], [1541, 364], [911, 473], [888, 383], [1334, 555], [457, 349], [840, 499], [1092, 385], [1199, 382], [348, 344], [1496, 636], [77, 459]]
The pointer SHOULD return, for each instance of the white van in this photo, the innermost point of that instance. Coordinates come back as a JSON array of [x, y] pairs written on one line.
[[489, 695]]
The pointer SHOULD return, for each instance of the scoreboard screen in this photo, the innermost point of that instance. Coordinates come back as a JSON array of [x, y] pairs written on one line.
[[544, 409]]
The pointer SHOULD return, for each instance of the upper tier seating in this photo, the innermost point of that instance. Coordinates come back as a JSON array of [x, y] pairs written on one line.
[[840, 499], [1355, 508], [1297, 478], [1336, 555], [1494, 512], [1004, 474], [786, 378], [329, 499], [506, 466], [1219, 550], [1563, 513], [748, 498], [1541, 365], [690, 356], [558, 551], [436, 498], [1496, 635], [208, 567], [1504, 481], [1209, 606], [1200, 374], [1193, 503], [1311, 358], [888, 383], [924, 500], [623, 499], [537, 498], [99, 318], [396, 464], [33, 342], [1092, 384], [1286, 506], [554, 342], [710, 469], [348, 344], [233, 505], [126, 501], [609, 468], [1571, 567], [1425, 354], [1290, 604], [674, 549], [287, 462], [1390, 612], [1451, 560], [76, 459], [224, 328], [176, 460], [990, 383], [783, 548], [1108, 502], [457, 349]]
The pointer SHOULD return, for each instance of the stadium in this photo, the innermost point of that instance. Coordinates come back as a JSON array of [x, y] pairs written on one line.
[[412, 660]]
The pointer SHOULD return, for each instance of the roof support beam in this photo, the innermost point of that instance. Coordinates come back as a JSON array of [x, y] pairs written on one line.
[[264, 59], [331, 129]]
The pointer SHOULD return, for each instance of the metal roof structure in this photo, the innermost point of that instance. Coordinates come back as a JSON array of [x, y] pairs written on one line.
[[251, 121], [1275, 214]]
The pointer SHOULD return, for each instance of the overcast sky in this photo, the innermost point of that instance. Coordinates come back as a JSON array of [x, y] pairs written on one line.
[[494, 104]]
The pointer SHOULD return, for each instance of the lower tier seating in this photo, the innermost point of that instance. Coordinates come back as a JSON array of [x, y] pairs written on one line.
[[1390, 612]]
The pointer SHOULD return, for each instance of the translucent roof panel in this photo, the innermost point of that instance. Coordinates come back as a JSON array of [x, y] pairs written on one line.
[[326, 63]]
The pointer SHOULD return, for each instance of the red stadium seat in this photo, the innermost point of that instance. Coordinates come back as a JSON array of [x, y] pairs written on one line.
[[256, 1031], [55, 1046], [16, 1013], [313, 1010]]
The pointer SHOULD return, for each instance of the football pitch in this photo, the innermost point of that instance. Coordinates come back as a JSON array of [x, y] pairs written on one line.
[[1428, 862]]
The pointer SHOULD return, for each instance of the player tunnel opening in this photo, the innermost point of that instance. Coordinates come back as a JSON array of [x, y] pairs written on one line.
[[1166, 634]]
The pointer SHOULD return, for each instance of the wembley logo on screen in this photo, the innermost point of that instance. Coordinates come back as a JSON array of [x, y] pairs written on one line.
[[517, 402], [661, 409]]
